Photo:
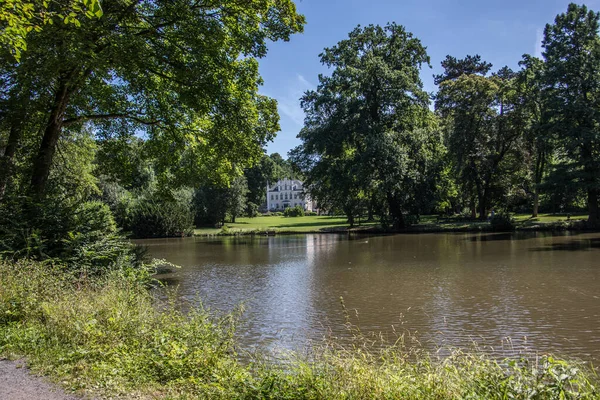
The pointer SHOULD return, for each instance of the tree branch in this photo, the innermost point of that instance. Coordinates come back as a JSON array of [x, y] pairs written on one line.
[[92, 117]]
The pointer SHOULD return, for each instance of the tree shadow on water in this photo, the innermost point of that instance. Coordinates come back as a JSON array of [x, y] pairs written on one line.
[[571, 245]]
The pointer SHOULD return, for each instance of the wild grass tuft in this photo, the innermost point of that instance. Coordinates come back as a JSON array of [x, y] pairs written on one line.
[[110, 337]]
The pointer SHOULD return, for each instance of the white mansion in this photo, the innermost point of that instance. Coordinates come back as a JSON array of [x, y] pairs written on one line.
[[287, 193]]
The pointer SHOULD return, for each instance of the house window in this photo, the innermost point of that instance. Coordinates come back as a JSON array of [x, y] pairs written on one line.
[[286, 197], [271, 197], [295, 195]]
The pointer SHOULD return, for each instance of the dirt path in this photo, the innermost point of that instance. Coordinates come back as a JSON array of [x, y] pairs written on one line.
[[17, 383]]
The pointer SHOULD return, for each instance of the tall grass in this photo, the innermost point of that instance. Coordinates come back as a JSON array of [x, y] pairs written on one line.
[[109, 337]]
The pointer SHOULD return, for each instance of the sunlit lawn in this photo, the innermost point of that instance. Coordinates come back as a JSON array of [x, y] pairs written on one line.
[[324, 223], [522, 220], [274, 223], [548, 218]]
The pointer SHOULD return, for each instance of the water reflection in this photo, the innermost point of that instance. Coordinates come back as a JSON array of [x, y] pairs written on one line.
[[451, 289]]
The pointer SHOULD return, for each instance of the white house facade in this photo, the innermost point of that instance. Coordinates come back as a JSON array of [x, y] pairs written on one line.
[[287, 193]]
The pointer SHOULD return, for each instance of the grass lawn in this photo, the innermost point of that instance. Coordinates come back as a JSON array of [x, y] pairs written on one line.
[[325, 223], [281, 224]]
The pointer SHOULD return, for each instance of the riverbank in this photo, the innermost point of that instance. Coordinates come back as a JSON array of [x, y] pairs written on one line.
[[109, 337], [278, 225]]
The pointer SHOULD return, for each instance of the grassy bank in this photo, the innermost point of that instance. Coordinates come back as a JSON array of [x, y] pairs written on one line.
[[279, 224], [110, 337], [427, 223]]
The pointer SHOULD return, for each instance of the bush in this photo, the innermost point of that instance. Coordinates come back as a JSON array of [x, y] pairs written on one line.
[[296, 211], [155, 216], [412, 219], [84, 237], [502, 222], [252, 210], [120, 201], [310, 214]]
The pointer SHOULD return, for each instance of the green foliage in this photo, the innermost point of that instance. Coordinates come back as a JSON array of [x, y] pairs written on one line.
[[111, 337], [369, 137], [120, 201], [252, 210], [19, 18], [572, 77], [483, 126], [157, 215], [502, 222], [84, 236], [296, 211], [123, 161], [236, 197], [214, 203]]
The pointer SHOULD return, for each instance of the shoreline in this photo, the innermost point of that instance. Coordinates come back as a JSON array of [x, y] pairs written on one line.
[[574, 226]]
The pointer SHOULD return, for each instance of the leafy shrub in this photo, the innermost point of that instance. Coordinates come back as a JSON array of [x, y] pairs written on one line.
[[296, 211], [411, 219], [84, 237], [156, 216], [120, 201], [310, 214], [252, 210], [502, 222]]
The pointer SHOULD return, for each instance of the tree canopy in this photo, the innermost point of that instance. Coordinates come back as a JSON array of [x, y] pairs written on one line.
[[368, 127], [181, 74]]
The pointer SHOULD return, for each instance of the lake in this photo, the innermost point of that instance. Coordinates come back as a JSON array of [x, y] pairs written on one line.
[[504, 293]]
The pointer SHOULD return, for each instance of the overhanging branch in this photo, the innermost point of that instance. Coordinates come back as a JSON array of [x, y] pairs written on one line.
[[93, 117]]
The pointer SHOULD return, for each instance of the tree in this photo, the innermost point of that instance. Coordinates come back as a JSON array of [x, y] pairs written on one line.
[[183, 74], [482, 125], [18, 18], [572, 53], [236, 197], [533, 95], [366, 132]]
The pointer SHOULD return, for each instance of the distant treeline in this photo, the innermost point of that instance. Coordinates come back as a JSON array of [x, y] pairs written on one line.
[[497, 139]]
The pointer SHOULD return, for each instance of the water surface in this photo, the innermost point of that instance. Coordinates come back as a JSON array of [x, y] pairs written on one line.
[[506, 293]]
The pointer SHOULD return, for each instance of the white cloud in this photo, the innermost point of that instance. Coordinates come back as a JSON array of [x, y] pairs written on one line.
[[289, 101], [539, 36]]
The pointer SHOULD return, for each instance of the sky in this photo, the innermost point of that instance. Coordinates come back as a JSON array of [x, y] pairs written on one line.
[[500, 31]]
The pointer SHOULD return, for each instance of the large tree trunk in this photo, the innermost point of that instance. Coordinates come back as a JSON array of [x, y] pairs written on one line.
[[350, 217], [592, 190], [483, 205], [540, 165], [43, 160], [473, 208], [395, 212], [8, 159], [594, 213]]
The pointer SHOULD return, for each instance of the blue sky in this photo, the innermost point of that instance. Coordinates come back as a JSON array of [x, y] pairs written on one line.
[[500, 31]]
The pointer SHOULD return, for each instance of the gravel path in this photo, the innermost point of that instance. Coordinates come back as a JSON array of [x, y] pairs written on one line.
[[17, 383]]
